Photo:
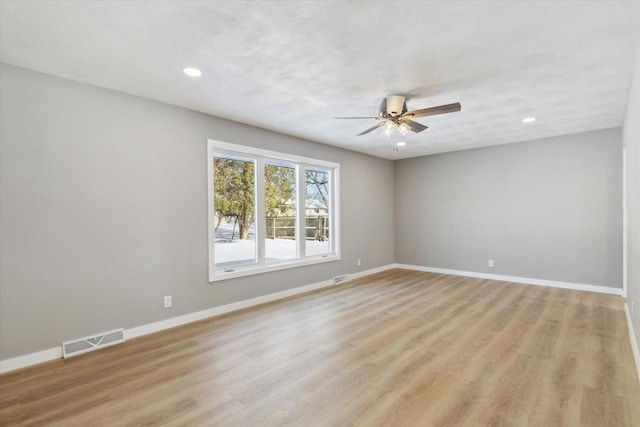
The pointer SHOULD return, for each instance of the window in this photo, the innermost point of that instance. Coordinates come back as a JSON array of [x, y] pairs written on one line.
[[316, 207], [280, 211], [269, 211], [234, 212]]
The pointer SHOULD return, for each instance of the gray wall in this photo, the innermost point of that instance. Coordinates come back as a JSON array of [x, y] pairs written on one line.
[[545, 209], [103, 210], [631, 140]]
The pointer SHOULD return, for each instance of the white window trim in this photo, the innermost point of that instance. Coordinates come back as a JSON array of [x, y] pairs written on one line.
[[302, 162]]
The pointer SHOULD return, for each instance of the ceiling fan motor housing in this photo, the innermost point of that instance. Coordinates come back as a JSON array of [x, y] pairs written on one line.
[[395, 105]]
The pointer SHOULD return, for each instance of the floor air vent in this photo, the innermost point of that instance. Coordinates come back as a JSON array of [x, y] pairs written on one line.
[[341, 279], [84, 345]]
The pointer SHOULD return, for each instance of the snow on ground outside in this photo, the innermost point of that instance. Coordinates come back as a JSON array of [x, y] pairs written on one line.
[[230, 252]]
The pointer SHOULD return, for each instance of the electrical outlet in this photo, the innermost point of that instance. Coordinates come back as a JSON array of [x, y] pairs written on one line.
[[490, 263], [167, 301], [359, 262]]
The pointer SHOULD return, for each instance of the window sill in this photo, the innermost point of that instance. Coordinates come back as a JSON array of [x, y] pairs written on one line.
[[219, 275]]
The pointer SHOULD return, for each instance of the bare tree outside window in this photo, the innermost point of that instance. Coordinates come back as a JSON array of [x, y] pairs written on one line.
[[317, 212]]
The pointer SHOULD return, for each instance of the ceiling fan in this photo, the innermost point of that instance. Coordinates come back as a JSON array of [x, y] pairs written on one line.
[[393, 113]]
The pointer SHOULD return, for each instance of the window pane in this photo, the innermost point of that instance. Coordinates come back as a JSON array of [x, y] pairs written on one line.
[[234, 211], [317, 212], [280, 211]]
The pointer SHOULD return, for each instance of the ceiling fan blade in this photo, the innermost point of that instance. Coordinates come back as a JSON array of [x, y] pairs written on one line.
[[414, 126], [442, 109], [371, 129], [356, 118]]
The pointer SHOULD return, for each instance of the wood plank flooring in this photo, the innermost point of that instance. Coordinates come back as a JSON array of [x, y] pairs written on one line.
[[399, 348]]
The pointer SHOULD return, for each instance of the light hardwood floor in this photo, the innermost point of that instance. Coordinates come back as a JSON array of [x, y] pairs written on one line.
[[399, 348]]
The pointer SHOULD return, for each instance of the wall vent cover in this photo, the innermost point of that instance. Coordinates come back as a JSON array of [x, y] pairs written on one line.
[[94, 342]]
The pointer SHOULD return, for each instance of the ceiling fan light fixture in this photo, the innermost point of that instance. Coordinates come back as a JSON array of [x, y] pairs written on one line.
[[400, 144], [403, 128], [387, 129]]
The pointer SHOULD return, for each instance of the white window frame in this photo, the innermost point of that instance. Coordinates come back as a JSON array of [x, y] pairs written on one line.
[[225, 148]]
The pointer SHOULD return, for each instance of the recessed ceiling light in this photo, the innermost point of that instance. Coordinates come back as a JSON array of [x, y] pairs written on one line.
[[529, 120], [400, 144], [193, 72]]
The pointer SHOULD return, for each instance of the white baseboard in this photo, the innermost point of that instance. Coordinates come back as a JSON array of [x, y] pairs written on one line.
[[515, 279], [30, 359], [372, 271], [56, 352], [632, 337]]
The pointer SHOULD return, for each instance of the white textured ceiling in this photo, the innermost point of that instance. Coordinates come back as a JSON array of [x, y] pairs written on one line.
[[291, 66]]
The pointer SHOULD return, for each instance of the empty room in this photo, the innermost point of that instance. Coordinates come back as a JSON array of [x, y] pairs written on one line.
[[319, 213]]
